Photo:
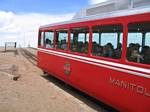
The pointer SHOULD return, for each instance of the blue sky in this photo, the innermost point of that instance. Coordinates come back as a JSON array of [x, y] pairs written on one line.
[[21, 19], [43, 6]]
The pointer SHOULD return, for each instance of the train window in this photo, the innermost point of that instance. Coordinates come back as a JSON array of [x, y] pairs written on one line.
[[96, 38], [49, 39], [79, 40], [138, 47], [62, 39], [135, 38], [41, 39], [107, 41], [147, 39]]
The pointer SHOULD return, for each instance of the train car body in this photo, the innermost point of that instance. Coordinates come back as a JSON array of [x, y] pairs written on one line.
[[120, 78]]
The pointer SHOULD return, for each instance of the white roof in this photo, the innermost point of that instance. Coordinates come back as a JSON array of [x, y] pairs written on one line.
[[111, 8]]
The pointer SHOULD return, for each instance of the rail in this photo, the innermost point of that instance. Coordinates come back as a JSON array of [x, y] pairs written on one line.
[[29, 56]]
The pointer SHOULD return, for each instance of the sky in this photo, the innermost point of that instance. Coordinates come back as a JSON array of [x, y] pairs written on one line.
[[20, 19]]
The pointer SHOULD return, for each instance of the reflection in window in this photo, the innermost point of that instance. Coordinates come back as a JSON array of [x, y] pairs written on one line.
[[107, 41], [138, 46], [62, 39], [79, 40], [49, 39]]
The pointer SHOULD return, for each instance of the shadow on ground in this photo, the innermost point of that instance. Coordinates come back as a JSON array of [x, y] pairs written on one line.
[[90, 101]]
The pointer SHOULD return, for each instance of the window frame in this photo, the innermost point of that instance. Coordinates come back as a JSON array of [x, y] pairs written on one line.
[[68, 30], [53, 39], [78, 53], [123, 36], [126, 60], [39, 39]]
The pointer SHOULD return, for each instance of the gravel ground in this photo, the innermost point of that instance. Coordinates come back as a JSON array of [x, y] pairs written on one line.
[[33, 93]]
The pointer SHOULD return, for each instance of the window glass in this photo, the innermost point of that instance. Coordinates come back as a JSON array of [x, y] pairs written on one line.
[[62, 39], [87, 37], [95, 38], [111, 38], [138, 46], [135, 38], [81, 37], [147, 39], [121, 38], [107, 41], [41, 39], [49, 39], [79, 40]]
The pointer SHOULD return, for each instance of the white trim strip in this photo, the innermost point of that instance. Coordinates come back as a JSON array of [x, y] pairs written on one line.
[[87, 60], [102, 62]]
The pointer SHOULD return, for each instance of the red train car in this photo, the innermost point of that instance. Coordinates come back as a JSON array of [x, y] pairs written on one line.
[[107, 57]]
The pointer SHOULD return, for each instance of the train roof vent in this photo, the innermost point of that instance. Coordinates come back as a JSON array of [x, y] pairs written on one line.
[[110, 6]]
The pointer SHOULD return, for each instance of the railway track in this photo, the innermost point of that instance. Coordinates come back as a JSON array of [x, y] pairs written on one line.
[[29, 56]]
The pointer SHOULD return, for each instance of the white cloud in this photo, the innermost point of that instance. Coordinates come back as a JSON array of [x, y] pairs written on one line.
[[96, 1], [23, 28]]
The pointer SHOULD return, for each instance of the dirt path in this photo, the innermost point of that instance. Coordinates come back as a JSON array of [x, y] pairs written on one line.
[[33, 93]]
